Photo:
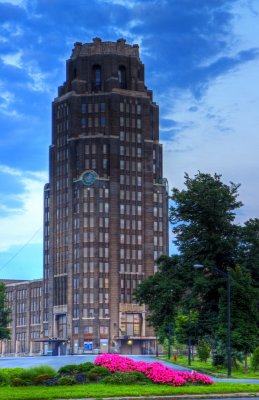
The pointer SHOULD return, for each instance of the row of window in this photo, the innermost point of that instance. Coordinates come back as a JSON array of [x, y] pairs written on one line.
[[130, 180], [127, 108], [88, 330], [135, 151], [88, 298], [103, 267], [62, 110], [130, 239], [131, 268], [130, 209], [130, 195], [92, 107], [93, 122], [130, 254], [130, 123], [90, 313]]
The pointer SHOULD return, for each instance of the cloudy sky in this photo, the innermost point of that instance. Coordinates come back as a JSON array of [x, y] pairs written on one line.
[[202, 62]]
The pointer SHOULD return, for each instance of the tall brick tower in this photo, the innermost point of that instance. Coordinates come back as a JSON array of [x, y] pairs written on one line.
[[105, 211]]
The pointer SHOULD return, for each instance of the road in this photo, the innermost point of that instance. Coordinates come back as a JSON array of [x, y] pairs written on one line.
[[57, 362]]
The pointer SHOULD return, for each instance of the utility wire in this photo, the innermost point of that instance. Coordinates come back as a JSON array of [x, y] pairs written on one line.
[[20, 250]]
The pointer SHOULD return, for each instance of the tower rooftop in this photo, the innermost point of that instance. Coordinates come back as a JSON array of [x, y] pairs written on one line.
[[99, 47]]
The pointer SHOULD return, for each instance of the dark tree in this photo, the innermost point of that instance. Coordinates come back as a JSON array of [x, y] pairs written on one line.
[[162, 293], [202, 216], [249, 249], [4, 314], [203, 223], [244, 313]]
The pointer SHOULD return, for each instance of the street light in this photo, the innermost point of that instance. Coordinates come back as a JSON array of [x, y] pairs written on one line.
[[227, 276]]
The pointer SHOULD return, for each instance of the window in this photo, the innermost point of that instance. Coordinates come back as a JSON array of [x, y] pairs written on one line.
[[96, 78], [122, 77]]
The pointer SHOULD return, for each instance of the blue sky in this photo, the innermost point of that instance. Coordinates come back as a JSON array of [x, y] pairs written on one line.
[[202, 62]]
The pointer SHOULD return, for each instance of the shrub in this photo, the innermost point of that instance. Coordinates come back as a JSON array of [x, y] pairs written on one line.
[[102, 371], [40, 379], [69, 369], [29, 376], [255, 359], [126, 378], [85, 367], [218, 359], [4, 379], [203, 350], [97, 373], [66, 381], [80, 378], [51, 381], [93, 376], [15, 381], [11, 372]]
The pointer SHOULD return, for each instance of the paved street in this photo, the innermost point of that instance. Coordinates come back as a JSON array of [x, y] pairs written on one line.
[[57, 362]]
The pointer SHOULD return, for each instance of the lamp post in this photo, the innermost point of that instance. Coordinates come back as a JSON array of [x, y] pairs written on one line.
[[227, 276]]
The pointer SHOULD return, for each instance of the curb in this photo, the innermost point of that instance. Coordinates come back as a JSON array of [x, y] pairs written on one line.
[[184, 396]]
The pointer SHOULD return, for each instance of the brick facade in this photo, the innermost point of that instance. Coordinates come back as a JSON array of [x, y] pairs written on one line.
[[105, 206]]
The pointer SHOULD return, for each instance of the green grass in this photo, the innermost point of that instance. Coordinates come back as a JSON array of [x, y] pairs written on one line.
[[100, 391], [219, 371]]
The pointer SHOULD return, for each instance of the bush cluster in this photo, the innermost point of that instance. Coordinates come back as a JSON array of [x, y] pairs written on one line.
[[107, 368], [68, 375]]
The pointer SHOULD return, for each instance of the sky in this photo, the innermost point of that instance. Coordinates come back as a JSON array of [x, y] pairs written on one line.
[[201, 61]]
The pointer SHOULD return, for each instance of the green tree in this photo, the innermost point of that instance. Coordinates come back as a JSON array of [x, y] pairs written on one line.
[[249, 249], [244, 313], [4, 314], [203, 350], [162, 293], [203, 216], [186, 325]]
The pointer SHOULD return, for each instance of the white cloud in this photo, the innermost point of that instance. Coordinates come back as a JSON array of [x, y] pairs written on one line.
[[18, 3], [37, 77], [219, 134], [13, 59], [19, 223], [6, 102]]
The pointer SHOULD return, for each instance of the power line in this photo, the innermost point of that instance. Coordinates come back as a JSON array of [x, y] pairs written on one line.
[[20, 250]]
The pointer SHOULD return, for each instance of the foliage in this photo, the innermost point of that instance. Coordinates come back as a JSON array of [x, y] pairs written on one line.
[[157, 372], [66, 381], [85, 367], [11, 372], [186, 325], [126, 378], [244, 313], [162, 293], [249, 249], [16, 381], [255, 359], [202, 218], [4, 379], [33, 375], [97, 373], [203, 350], [5, 313]]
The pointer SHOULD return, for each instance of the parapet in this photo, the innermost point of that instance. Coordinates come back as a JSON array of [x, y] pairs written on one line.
[[99, 47]]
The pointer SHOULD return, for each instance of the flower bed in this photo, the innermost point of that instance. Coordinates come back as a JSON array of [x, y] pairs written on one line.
[[155, 371]]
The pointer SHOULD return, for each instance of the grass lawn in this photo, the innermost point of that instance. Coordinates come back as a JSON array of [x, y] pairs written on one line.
[[101, 390], [219, 371]]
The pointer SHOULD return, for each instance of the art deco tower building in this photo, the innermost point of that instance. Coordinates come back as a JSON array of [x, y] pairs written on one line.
[[105, 211]]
